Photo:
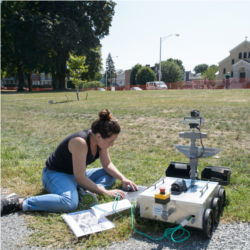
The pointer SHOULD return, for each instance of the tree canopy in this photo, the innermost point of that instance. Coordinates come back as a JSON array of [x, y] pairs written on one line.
[[200, 68], [134, 72], [19, 38], [210, 72], [39, 35], [76, 66], [145, 74], [171, 71], [178, 62]]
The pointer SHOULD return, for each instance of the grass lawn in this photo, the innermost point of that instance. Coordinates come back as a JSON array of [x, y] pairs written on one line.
[[150, 122]]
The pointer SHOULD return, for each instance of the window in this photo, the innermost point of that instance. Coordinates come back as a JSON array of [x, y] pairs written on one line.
[[240, 55], [224, 71], [232, 61], [245, 55]]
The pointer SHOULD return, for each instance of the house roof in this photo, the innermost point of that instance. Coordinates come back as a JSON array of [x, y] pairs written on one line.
[[244, 42], [224, 59]]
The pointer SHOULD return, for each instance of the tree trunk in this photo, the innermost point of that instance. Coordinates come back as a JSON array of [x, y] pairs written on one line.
[[58, 76], [28, 75], [77, 93], [61, 77], [54, 85], [63, 73], [20, 78]]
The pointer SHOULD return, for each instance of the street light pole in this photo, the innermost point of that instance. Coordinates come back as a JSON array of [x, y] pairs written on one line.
[[161, 39], [160, 63]]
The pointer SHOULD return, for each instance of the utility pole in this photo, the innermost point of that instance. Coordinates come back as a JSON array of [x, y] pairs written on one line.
[[162, 39]]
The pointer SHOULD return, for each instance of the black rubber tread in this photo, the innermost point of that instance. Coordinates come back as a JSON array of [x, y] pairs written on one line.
[[216, 207], [208, 222]]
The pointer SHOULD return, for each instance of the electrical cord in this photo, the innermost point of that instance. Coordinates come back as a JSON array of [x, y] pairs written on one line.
[[169, 233], [114, 206], [203, 148]]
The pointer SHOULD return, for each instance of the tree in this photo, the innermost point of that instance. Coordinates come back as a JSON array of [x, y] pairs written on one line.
[[3, 74], [110, 69], [179, 62], [134, 72], [200, 68], [19, 51], [171, 71], [210, 72], [145, 74], [78, 27], [76, 65], [49, 31], [93, 84], [93, 60]]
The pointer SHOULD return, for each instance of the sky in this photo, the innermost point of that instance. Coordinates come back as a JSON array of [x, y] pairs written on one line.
[[207, 30]]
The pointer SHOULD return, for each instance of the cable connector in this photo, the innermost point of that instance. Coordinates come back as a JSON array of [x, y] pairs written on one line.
[[185, 222]]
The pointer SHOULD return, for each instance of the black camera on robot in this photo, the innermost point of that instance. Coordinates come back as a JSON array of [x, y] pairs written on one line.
[[195, 120]]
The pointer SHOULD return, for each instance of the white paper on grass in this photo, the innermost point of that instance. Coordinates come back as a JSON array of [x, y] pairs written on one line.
[[93, 220], [86, 222]]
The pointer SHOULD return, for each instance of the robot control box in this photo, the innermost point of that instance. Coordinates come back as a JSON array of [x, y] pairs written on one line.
[[181, 194], [177, 207]]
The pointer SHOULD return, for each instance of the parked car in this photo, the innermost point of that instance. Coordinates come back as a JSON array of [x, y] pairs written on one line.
[[156, 85], [135, 88]]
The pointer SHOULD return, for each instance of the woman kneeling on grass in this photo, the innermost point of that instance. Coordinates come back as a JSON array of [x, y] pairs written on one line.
[[65, 176]]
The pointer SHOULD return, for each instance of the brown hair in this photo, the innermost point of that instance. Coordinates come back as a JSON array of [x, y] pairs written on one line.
[[105, 125]]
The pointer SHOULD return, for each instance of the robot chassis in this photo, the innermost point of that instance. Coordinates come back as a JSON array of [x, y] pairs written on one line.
[[187, 201]]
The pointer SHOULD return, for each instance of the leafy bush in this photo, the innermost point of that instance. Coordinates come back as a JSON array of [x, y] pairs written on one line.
[[93, 84]]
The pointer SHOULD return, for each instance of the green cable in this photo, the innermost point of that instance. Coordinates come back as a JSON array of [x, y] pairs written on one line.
[[168, 233], [117, 198]]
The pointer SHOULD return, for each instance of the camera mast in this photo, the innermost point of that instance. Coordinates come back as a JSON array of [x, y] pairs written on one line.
[[194, 152]]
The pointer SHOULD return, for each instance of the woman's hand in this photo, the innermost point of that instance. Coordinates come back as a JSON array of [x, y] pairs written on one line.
[[128, 185], [115, 192]]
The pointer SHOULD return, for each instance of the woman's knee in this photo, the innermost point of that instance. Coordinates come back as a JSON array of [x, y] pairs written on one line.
[[107, 181], [69, 202]]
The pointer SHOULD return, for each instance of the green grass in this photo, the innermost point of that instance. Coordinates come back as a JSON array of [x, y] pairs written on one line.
[[150, 122]]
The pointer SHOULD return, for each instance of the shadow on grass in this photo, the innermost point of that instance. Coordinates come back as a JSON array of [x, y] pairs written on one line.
[[65, 101]]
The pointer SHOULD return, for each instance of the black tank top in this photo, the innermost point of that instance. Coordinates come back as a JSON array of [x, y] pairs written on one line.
[[61, 159]]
